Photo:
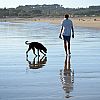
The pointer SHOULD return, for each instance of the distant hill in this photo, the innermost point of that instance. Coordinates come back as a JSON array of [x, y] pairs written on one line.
[[53, 10]]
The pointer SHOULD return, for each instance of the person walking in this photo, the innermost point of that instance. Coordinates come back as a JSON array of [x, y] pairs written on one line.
[[66, 30]]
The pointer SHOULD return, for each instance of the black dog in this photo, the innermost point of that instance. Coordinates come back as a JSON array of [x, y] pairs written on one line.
[[36, 45]]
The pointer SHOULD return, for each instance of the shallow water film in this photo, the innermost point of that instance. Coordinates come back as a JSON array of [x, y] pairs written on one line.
[[54, 76]]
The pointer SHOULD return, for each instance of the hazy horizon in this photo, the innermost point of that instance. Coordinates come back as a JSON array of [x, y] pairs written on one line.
[[65, 3]]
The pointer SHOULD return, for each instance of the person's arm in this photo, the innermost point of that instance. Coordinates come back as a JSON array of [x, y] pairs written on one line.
[[61, 29], [72, 32], [60, 32]]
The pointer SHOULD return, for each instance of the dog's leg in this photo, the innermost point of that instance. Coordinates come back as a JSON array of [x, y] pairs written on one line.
[[42, 52], [38, 60], [34, 61], [34, 51], [38, 52], [27, 52]]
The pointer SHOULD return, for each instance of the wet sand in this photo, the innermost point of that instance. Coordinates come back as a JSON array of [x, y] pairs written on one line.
[[21, 79]]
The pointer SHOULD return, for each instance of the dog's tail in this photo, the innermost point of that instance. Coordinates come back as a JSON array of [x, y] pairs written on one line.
[[27, 42]]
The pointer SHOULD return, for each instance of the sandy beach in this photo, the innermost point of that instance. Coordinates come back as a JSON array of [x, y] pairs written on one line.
[[46, 78], [90, 22]]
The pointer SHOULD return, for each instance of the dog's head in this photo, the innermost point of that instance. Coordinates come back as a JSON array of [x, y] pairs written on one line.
[[45, 50]]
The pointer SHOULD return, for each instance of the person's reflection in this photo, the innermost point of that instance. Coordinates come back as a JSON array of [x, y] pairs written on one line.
[[37, 63], [67, 77]]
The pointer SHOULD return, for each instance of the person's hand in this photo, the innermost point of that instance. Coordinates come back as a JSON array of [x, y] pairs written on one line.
[[72, 35], [60, 36]]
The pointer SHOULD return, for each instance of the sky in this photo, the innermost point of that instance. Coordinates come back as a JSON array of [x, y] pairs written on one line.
[[65, 3]]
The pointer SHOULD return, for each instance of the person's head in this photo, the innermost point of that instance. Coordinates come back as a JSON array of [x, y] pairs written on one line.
[[66, 16]]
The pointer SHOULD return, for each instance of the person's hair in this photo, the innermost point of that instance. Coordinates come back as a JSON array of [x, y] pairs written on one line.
[[66, 16]]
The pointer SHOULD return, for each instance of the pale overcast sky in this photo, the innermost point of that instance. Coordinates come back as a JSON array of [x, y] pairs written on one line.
[[65, 3]]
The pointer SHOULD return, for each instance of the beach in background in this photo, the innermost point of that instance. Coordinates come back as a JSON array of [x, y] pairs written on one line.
[[90, 22], [19, 80]]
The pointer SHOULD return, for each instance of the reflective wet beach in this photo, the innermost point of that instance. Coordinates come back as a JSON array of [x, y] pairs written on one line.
[[22, 79]]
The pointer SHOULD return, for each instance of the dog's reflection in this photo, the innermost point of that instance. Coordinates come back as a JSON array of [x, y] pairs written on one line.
[[37, 62], [67, 77]]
